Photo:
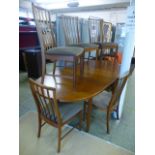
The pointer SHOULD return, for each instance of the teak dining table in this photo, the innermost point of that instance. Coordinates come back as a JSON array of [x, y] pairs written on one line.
[[97, 76]]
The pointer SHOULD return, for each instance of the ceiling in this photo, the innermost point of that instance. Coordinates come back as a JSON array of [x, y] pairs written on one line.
[[84, 5]]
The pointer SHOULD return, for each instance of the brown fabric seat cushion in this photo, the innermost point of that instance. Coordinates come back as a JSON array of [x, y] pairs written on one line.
[[65, 51], [85, 45], [106, 45], [68, 110], [102, 100]]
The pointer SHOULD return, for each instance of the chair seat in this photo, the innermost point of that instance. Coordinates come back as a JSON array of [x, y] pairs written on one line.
[[109, 44], [110, 54], [85, 45], [106, 45], [102, 100], [65, 51], [69, 110]]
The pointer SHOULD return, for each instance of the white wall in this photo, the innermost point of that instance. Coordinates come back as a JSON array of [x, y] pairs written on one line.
[[114, 15]]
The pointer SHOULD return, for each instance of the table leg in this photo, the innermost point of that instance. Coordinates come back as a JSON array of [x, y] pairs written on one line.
[[82, 65], [88, 113], [97, 54], [74, 72]]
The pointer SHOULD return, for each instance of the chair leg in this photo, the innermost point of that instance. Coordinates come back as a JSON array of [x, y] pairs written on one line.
[[84, 110], [80, 120], [43, 71], [117, 115], [89, 55], [88, 114], [101, 50], [117, 112], [39, 125], [81, 65], [107, 121], [65, 63], [54, 67], [102, 54], [74, 72], [97, 54], [59, 139], [25, 62]]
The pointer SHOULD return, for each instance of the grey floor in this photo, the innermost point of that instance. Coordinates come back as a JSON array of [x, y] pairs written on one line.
[[122, 131]]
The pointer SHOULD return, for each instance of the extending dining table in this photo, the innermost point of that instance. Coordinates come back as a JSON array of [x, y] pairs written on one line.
[[98, 75]]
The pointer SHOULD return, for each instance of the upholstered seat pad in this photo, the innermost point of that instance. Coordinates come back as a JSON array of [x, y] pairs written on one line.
[[68, 110], [102, 100], [85, 45], [106, 44], [67, 51]]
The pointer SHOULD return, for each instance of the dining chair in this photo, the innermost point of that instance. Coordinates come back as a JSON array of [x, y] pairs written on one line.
[[72, 33], [109, 49], [49, 49], [103, 34], [51, 111], [107, 31], [109, 101]]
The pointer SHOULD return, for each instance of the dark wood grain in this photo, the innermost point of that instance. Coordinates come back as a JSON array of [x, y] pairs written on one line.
[[98, 75]]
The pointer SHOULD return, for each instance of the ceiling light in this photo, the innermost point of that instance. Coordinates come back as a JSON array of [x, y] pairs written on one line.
[[73, 3]]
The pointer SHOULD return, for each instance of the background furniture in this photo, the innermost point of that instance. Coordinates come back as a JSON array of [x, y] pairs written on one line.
[[33, 62], [48, 44], [72, 33], [28, 38], [100, 32], [107, 32], [52, 112], [109, 50]]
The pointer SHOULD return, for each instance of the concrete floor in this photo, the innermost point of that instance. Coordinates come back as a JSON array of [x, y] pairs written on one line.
[[122, 131]]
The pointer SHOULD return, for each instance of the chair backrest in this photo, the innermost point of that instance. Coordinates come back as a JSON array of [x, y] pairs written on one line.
[[45, 28], [99, 30], [46, 103], [107, 31], [118, 88], [95, 29], [71, 29]]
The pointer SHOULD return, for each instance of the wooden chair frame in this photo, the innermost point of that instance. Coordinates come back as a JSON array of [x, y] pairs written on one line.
[[47, 40], [95, 29], [72, 33], [113, 104], [103, 38], [47, 106], [107, 31]]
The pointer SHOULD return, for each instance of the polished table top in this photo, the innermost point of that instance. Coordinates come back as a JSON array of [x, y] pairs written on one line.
[[98, 75]]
